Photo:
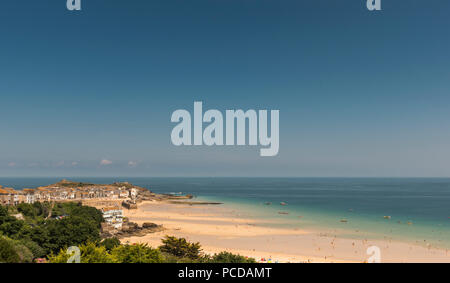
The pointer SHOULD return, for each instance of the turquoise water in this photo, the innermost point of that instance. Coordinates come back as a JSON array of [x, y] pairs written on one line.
[[318, 203]]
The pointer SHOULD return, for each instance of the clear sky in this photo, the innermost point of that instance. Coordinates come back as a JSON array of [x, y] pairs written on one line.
[[91, 93]]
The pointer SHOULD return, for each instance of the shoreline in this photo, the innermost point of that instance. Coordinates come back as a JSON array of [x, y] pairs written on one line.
[[348, 224], [220, 228]]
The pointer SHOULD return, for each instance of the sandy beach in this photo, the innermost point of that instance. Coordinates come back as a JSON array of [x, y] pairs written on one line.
[[220, 228]]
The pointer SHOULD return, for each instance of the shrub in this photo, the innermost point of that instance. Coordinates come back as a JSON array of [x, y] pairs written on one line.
[[89, 253], [136, 253], [226, 257], [13, 251], [110, 243], [3, 211], [35, 249], [25, 255], [77, 209], [26, 209], [179, 247], [10, 226], [8, 253], [70, 231]]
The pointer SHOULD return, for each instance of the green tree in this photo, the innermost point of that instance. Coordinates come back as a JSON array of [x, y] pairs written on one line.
[[180, 247], [89, 253], [136, 253], [69, 231], [27, 210], [25, 255], [3, 211], [110, 243], [226, 257], [13, 251], [8, 253], [9, 225], [90, 213], [38, 234], [36, 250], [77, 209]]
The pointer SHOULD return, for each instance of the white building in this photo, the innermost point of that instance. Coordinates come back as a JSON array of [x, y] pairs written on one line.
[[30, 198], [123, 194], [113, 216], [133, 193]]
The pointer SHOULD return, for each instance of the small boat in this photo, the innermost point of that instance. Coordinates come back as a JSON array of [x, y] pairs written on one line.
[[344, 220], [386, 217], [283, 203], [268, 203], [283, 212], [410, 223]]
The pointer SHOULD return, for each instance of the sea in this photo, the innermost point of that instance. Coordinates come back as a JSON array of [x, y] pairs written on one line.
[[415, 210]]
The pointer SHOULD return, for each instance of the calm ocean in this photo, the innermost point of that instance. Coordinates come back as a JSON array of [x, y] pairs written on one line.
[[419, 208]]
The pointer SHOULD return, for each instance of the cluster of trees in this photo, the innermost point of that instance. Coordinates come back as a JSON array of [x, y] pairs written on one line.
[[47, 230], [173, 250], [178, 250]]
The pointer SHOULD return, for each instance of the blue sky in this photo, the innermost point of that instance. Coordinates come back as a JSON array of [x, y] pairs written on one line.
[[360, 93]]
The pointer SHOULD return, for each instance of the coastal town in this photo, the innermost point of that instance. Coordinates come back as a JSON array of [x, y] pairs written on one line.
[[72, 191], [109, 199]]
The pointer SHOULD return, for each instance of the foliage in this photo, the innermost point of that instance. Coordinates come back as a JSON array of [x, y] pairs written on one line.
[[3, 211], [77, 209], [110, 243], [24, 253], [81, 225], [39, 237], [223, 257], [13, 251], [9, 225], [92, 253], [69, 231], [36, 250], [89, 253], [170, 258], [34, 210], [227, 257], [179, 247], [8, 253], [136, 253]]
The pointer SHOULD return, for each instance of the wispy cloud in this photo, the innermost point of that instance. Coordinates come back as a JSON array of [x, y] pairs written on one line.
[[105, 162], [132, 163], [60, 164]]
